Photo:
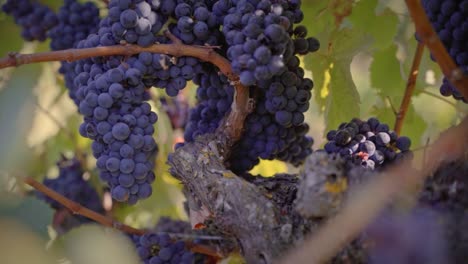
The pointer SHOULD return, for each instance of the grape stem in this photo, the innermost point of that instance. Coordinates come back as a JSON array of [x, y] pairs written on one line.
[[76, 208], [410, 86], [427, 34], [233, 123], [359, 211]]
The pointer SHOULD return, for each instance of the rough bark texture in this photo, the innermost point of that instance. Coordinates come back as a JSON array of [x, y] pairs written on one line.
[[325, 184], [237, 207], [259, 212]]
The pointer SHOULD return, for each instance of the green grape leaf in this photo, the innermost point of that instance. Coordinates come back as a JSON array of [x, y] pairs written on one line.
[[319, 65], [385, 74], [331, 67], [319, 17], [382, 26], [342, 102]]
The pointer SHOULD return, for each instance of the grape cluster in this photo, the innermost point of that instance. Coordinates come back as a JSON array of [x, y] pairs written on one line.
[[111, 92], [121, 125], [76, 22], [276, 129], [287, 95], [71, 184], [368, 143], [259, 36], [159, 248], [34, 18], [450, 20]]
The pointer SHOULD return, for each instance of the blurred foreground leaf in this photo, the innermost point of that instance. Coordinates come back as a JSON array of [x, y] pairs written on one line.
[[16, 108], [93, 244], [31, 212]]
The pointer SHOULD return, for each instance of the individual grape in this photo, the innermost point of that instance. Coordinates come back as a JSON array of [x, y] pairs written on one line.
[[120, 131], [368, 143], [403, 143], [284, 118], [34, 18], [314, 44], [120, 193]]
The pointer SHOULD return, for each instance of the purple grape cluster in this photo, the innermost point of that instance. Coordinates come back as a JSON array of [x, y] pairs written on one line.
[[259, 35], [156, 248], [287, 95], [450, 20], [276, 129], [368, 143], [121, 125], [71, 184], [34, 18], [75, 22], [111, 92]]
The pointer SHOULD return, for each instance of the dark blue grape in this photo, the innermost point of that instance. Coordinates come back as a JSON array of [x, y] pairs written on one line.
[[403, 143], [120, 193]]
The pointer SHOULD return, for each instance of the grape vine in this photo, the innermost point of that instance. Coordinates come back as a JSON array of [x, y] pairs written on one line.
[[253, 92]]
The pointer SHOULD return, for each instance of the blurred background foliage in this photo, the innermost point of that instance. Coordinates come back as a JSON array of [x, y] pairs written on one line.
[[360, 70]]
